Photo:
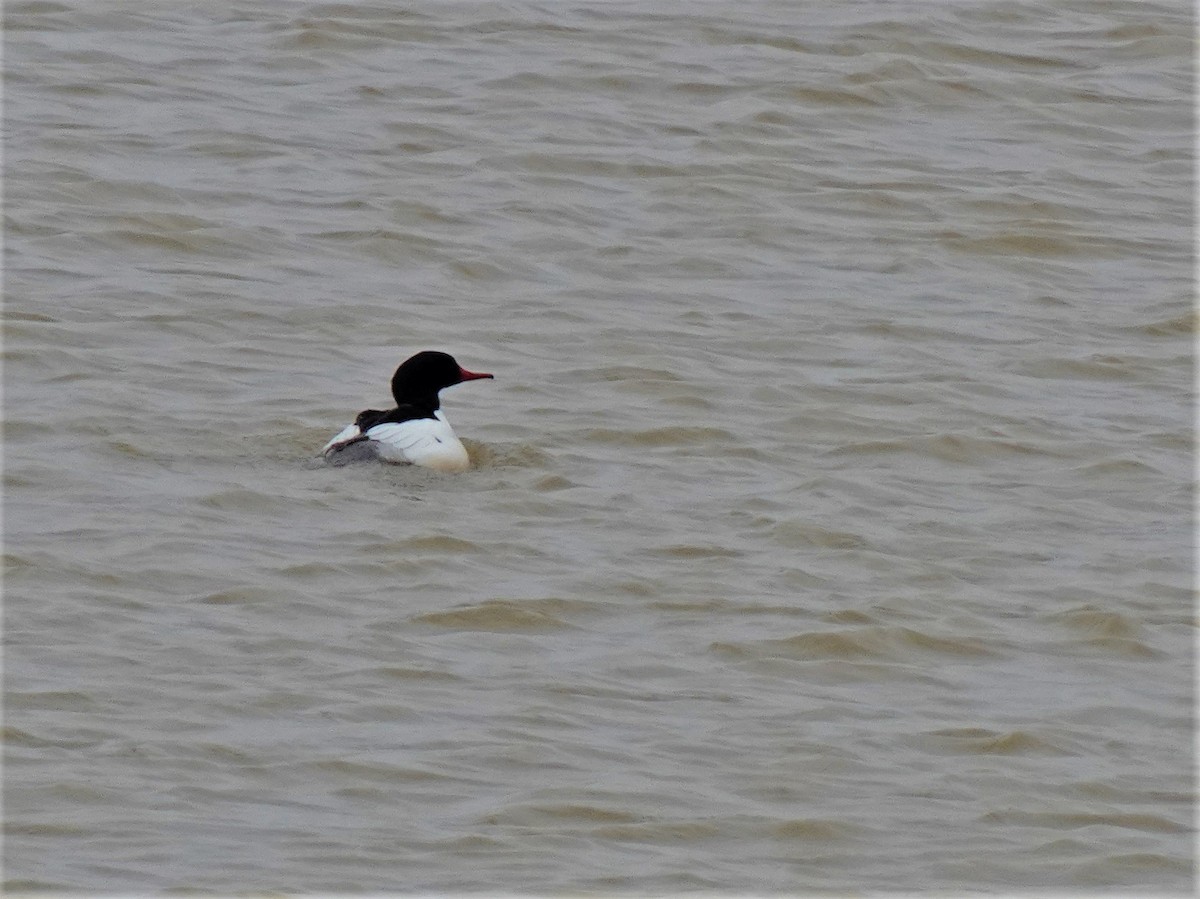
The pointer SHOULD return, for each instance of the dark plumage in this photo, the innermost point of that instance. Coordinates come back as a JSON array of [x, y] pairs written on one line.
[[415, 387]]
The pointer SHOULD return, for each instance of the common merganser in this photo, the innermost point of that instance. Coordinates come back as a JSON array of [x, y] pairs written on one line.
[[415, 432]]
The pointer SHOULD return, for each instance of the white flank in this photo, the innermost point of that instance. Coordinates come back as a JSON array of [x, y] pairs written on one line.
[[422, 441]]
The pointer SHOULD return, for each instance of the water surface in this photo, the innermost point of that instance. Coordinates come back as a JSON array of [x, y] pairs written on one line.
[[829, 523]]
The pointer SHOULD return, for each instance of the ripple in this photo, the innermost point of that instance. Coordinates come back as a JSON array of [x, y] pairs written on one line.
[[684, 435], [533, 815], [501, 616], [240, 596], [15, 737], [957, 448], [1109, 632], [1143, 869], [1176, 326], [1094, 622], [695, 551], [435, 543], [240, 500], [801, 534], [1075, 820], [1105, 368], [660, 832], [61, 700], [980, 741], [874, 642], [816, 830], [496, 455], [1045, 246], [377, 772]]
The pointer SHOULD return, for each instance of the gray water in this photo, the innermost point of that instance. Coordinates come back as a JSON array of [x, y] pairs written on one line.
[[829, 518]]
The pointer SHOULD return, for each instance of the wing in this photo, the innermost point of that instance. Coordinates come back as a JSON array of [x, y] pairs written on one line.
[[363, 423], [430, 442], [420, 441], [350, 445], [347, 433]]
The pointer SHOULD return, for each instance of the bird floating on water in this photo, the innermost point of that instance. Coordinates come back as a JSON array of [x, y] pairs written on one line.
[[416, 431]]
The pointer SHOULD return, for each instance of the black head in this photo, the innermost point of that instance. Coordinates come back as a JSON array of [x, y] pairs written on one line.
[[420, 377]]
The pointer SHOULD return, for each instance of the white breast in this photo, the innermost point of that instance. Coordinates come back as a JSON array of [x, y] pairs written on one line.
[[429, 442]]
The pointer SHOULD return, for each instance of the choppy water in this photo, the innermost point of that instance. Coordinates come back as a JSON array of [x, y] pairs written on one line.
[[829, 525]]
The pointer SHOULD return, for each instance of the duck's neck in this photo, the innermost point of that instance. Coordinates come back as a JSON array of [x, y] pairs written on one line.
[[425, 402]]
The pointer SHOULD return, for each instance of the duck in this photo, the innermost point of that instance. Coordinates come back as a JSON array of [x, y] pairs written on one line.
[[416, 431]]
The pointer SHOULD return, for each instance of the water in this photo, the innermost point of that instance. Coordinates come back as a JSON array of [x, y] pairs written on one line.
[[829, 523]]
